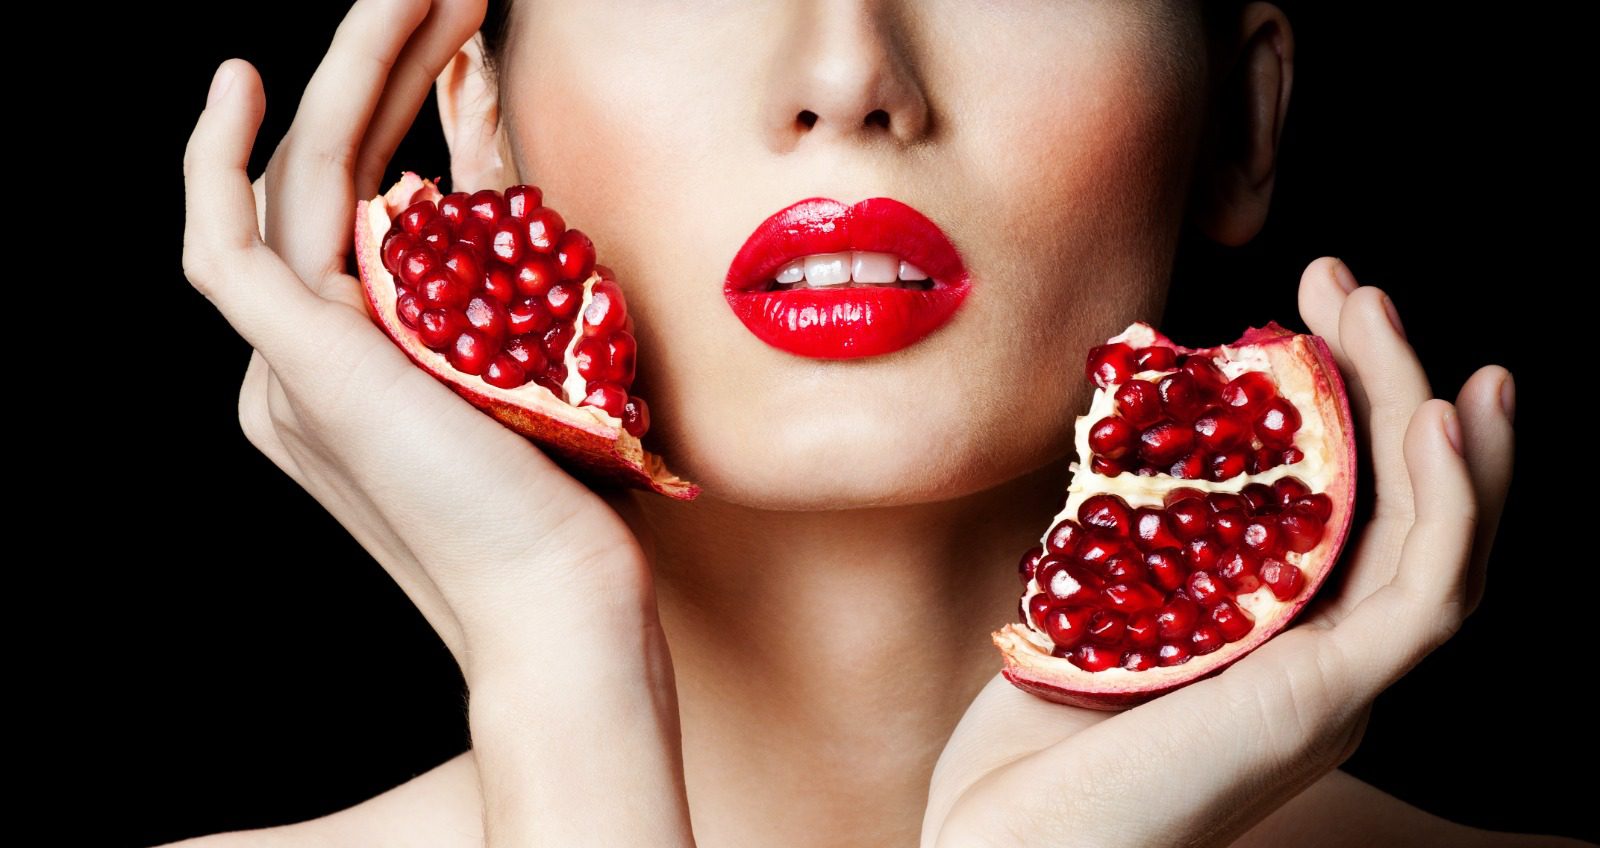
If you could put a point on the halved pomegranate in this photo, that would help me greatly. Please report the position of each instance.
(1218, 494)
(491, 293)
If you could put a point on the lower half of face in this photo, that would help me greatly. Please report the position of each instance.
(1054, 146)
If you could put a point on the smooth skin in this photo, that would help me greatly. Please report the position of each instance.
(558, 602)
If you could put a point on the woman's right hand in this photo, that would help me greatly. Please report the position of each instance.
(534, 582)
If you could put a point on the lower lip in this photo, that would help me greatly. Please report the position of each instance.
(847, 322)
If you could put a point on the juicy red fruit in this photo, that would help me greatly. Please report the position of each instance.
(494, 281)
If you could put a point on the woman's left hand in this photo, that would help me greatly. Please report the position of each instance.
(1205, 763)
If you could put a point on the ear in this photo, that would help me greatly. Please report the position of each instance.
(469, 112)
(1240, 154)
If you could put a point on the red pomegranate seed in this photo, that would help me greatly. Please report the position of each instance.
(1142, 631)
(1111, 363)
(606, 310)
(1218, 431)
(435, 234)
(505, 372)
(1191, 518)
(1106, 467)
(1261, 535)
(1138, 660)
(1165, 443)
(1261, 459)
(555, 347)
(1224, 501)
(438, 328)
(1064, 537)
(528, 315)
(544, 229)
(1248, 393)
(499, 282)
(1201, 554)
(1171, 655)
(1287, 489)
(1205, 639)
(593, 359)
(1167, 568)
(1203, 588)
(522, 199)
(607, 396)
(1133, 597)
(528, 351)
(1067, 626)
(1106, 513)
(624, 357)
(575, 255)
(1284, 579)
(1317, 505)
(1277, 424)
(416, 215)
(1112, 438)
(453, 207)
(1106, 627)
(1139, 403)
(395, 244)
(1177, 618)
(1228, 526)
(408, 307)
(1301, 533)
(636, 416)
(1206, 375)
(1067, 582)
(1291, 456)
(1240, 570)
(1233, 621)
(1150, 529)
(488, 317)
(1098, 548)
(487, 206)
(1226, 466)
(474, 234)
(417, 263)
(1125, 569)
(1038, 608)
(471, 352)
(562, 300)
(1156, 358)
(1261, 497)
(1030, 562)
(1091, 658)
(535, 275)
(1181, 397)
(506, 242)
(1191, 467)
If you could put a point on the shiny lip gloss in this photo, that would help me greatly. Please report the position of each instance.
(852, 320)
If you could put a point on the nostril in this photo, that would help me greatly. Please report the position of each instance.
(878, 117)
(807, 118)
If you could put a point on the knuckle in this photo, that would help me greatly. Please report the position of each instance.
(198, 266)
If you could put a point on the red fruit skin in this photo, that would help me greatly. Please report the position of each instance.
(583, 444)
(1042, 675)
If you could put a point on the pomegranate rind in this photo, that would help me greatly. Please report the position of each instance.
(1304, 367)
(586, 439)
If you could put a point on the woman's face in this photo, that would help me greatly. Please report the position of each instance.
(1052, 141)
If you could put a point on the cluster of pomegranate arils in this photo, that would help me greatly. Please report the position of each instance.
(1192, 423)
(1142, 587)
(494, 281)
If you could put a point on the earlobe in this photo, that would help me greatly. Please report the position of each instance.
(470, 117)
(1234, 184)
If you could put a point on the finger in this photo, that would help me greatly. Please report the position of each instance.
(1392, 630)
(1392, 385)
(425, 56)
(256, 418)
(310, 197)
(1485, 402)
(1324, 285)
(223, 255)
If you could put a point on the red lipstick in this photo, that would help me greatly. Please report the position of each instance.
(851, 320)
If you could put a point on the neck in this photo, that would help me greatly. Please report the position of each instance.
(836, 650)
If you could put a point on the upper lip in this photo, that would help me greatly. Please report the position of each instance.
(823, 225)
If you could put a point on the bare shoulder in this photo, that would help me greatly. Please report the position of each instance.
(1343, 811)
(437, 809)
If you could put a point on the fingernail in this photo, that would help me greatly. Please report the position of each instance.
(1343, 276)
(1394, 316)
(1452, 429)
(220, 83)
(1508, 397)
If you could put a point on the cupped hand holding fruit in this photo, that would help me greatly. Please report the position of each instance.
(1205, 762)
(534, 582)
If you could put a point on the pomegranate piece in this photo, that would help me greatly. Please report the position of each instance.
(1151, 582)
(494, 295)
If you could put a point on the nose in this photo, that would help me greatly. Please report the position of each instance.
(844, 70)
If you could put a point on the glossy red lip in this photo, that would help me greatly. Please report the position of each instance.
(837, 323)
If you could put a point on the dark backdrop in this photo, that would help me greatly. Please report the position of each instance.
(254, 666)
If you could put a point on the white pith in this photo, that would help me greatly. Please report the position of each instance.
(1030, 646)
(854, 267)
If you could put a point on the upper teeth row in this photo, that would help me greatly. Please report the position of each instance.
(837, 269)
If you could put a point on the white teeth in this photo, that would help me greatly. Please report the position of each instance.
(828, 269)
(911, 272)
(794, 272)
(866, 267)
(862, 267)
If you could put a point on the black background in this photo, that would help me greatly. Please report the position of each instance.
(253, 666)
